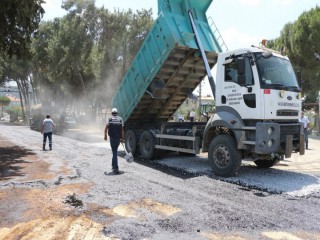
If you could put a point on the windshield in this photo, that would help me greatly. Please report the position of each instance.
(276, 73)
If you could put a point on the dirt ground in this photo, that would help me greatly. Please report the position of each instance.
(38, 212)
(64, 194)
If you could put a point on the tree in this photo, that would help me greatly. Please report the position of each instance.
(301, 40)
(82, 56)
(41, 61)
(121, 35)
(19, 20)
(4, 101)
(70, 50)
(20, 71)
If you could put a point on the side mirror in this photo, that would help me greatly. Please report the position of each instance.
(228, 61)
(267, 54)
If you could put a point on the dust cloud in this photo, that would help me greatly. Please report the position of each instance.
(85, 108)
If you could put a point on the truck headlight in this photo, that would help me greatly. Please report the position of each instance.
(270, 142)
(282, 93)
(270, 130)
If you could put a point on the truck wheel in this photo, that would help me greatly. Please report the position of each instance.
(267, 163)
(224, 156)
(131, 142)
(147, 145)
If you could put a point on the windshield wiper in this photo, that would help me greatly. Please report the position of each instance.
(278, 86)
(294, 88)
(284, 87)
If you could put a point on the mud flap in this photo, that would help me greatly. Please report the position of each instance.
(288, 149)
(301, 144)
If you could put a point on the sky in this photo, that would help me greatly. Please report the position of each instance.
(242, 23)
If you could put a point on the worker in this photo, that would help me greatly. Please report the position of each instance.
(306, 123)
(46, 130)
(192, 115)
(114, 128)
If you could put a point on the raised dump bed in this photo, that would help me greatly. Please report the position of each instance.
(168, 66)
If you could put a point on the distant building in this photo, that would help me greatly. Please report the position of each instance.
(10, 90)
(207, 100)
(13, 101)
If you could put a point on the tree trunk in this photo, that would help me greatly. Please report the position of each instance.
(21, 99)
(85, 99)
(23, 87)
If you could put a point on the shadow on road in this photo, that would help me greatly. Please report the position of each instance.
(10, 158)
(159, 166)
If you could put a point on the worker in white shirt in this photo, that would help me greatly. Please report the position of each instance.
(306, 122)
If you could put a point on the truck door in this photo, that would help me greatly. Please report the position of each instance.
(240, 91)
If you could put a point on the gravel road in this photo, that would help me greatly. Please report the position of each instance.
(69, 193)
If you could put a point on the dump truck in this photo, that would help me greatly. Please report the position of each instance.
(257, 95)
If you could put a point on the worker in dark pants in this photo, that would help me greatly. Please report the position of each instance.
(46, 130)
(306, 124)
(114, 128)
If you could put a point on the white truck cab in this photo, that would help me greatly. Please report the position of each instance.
(267, 89)
(258, 103)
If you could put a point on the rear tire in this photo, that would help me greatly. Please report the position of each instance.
(224, 156)
(147, 145)
(131, 142)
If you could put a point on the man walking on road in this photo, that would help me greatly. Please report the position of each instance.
(114, 128)
(192, 115)
(306, 122)
(46, 130)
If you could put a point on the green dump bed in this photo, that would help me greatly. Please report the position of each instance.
(168, 67)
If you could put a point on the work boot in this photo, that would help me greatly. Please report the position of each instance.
(50, 146)
(43, 147)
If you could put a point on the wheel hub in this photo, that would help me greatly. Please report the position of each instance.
(221, 156)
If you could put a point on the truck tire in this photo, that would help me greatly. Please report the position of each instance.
(262, 163)
(224, 156)
(147, 145)
(131, 142)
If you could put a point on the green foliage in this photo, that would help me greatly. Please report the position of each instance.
(19, 20)
(310, 100)
(87, 51)
(20, 70)
(2, 64)
(14, 112)
(79, 58)
(4, 101)
(302, 41)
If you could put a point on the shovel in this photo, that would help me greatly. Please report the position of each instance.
(128, 157)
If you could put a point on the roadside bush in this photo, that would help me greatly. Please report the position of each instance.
(15, 112)
(4, 101)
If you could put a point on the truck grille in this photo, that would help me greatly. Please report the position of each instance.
(287, 113)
